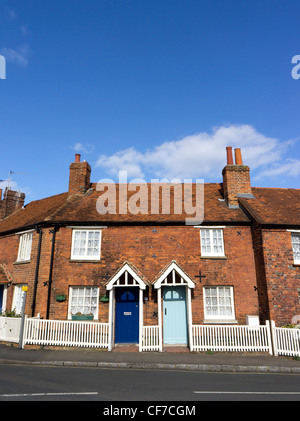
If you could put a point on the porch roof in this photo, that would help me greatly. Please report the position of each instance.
(5, 277)
(163, 274)
(133, 271)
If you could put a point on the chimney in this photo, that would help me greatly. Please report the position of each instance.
(11, 202)
(80, 174)
(236, 178)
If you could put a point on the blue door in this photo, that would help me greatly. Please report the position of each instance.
(127, 315)
(174, 314)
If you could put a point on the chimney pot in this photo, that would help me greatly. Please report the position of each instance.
(229, 155)
(238, 156)
(77, 157)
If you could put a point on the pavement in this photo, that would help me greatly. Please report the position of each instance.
(129, 358)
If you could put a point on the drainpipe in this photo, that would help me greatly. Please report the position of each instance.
(36, 271)
(53, 232)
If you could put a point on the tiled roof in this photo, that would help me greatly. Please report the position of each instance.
(270, 206)
(83, 208)
(275, 206)
(33, 213)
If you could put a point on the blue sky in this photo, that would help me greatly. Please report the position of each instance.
(158, 88)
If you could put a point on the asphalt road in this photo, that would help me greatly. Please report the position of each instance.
(36, 384)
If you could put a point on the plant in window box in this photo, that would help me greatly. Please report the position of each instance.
(11, 313)
(80, 316)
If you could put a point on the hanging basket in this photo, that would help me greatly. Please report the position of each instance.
(60, 297)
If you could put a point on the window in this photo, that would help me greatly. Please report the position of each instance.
(86, 244)
(212, 242)
(296, 247)
(25, 247)
(218, 303)
(18, 299)
(84, 300)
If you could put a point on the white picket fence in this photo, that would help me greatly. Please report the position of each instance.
(231, 338)
(66, 333)
(240, 338)
(286, 341)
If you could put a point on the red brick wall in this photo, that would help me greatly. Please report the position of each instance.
(24, 272)
(282, 276)
(262, 291)
(136, 244)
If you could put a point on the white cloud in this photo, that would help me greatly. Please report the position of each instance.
(129, 160)
(9, 183)
(24, 30)
(11, 15)
(201, 155)
(290, 168)
(19, 55)
(13, 185)
(85, 148)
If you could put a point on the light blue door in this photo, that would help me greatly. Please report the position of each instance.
(174, 315)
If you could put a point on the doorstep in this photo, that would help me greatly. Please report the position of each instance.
(135, 348)
(176, 348)
(126, 348)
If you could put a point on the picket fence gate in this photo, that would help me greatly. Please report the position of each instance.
(286, 341)
(10, 329)
(224, 338)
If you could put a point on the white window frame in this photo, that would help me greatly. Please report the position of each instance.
(17, 303)
(211, 253)
(25, 245)
(85, 256)
(218, 316)
(80, 307)
(295, 234)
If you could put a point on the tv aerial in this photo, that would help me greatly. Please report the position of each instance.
(10, 179)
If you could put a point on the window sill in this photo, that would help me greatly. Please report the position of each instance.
(219, 321)
(21, 262)
(214, 257)
(84, 260)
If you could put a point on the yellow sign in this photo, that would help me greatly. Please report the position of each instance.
(24, 288)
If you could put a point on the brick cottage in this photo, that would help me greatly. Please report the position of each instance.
(142, 268)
